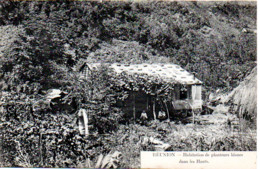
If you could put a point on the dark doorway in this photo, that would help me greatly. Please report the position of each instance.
(183, 95)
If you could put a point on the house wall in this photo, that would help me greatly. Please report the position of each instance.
(179, 103)
(177, 91)
(144, 102)
(196, 97)
(193, 100)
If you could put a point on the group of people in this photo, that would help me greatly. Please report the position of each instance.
(161, 115)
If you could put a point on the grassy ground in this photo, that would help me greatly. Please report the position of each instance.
(218, 136)
(73, 150)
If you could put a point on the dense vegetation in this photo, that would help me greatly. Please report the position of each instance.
(42, 44)
(205, 38)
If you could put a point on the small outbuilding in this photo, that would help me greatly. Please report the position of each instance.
(154, 88)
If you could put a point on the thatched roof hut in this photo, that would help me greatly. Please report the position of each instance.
(151, 88)
(244, 97)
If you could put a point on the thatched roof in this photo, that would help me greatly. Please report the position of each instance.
(168, 72)
(244, 97)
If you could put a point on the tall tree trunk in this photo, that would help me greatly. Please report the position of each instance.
(154, 114)
(134, 110)
(167, 110)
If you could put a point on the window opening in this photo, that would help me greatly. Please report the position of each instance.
(183, 93)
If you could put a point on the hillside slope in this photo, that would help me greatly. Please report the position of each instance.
(213, 39)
